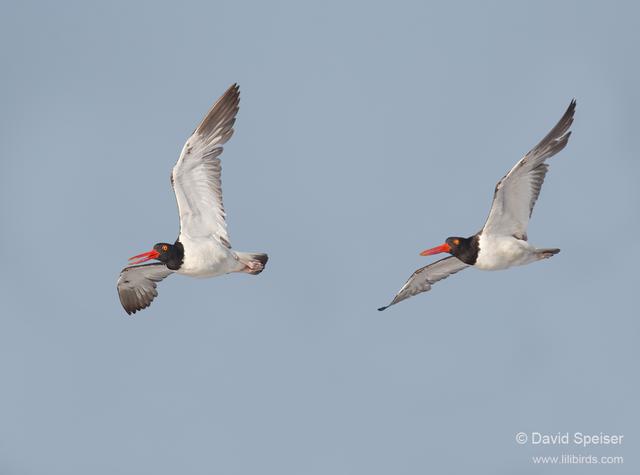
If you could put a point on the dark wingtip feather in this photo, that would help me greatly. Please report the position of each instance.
(383, 308)
(223, 111)
(557, 138)
(567, 117)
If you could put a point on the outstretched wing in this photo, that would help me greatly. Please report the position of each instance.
(517, 192)
(196, 175)
(137, 285)
(422, 279)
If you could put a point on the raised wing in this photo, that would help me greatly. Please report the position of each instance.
(422, 279)
(517, 192)
(137, 285)
(196, 175)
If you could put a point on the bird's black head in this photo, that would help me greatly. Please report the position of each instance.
(455, 243)
(171, 255)
(163, 250)
(465, 249)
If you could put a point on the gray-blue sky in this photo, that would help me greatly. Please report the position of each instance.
(367, 132)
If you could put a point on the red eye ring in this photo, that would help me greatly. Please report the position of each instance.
(165, 247)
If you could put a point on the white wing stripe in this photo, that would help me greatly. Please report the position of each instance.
(517, 192)
(196, 175)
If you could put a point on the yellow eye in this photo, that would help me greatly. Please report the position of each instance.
(165, 247)
(456, 241)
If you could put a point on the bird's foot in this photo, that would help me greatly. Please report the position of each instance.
(547, 253)
(253, 267)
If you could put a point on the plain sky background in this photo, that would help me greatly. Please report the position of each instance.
(367, 132)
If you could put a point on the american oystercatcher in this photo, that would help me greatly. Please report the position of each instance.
(502, 242)
(202, 248)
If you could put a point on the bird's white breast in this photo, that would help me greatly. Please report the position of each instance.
(206, 257)
(501, 252)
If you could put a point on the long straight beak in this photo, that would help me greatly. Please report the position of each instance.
(145, 256)
(436, 250)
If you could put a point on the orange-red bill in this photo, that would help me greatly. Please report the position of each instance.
(436, 250)
(145, 256)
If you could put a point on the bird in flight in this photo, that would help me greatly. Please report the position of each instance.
(203, 248)
(502, 242)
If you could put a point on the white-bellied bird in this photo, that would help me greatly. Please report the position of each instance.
(203, 248)
(502, 242)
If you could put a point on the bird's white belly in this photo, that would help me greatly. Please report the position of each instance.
(501, 252)
(207, 258)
